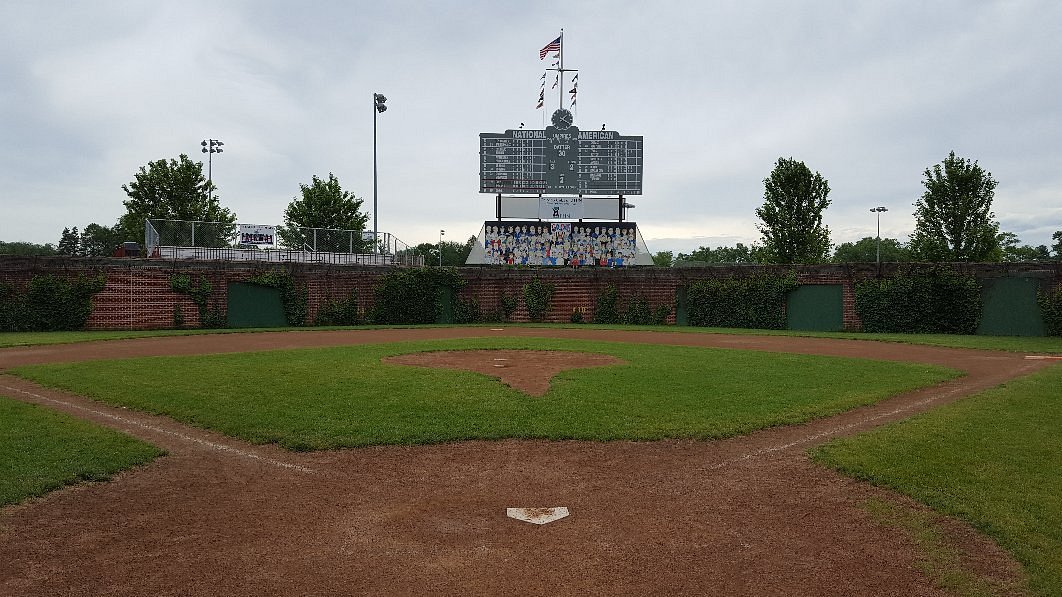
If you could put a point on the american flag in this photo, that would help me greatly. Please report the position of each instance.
(553, 46)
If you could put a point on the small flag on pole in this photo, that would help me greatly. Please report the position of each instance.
(556, 82)
(553, 46)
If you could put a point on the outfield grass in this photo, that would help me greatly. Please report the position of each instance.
(344, 396)
(1031, 344)
(994, 460)
(42, 450)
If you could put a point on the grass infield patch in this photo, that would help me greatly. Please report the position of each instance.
(42, 450)
(1040, 345)
(994, 460)
(343, 397)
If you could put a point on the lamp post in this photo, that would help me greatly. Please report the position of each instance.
(210, 147)
(441, 233)
(878, 211)
(378, 106)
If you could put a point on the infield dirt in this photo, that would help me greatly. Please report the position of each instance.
(745, 516)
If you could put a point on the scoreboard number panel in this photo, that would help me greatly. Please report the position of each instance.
(561, 160)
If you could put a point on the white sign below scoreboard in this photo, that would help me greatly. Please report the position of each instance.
(560, 208)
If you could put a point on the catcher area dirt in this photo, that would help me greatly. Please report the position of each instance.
(746, 516)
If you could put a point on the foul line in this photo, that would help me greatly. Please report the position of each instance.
(202, 442)
(828, 432)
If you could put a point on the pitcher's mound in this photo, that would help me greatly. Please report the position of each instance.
(529, 371)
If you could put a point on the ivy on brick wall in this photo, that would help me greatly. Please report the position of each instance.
(1051, 310)
(920, 300)
(339, 312)
(605, 310)
(49, 303)
(411, 296)
(197, 289)
(295, 298)
(538, 297)
(748, 302)
(636, 309)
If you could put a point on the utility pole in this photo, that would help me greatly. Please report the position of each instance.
(379, 106)
(210, 147)
(878, 211)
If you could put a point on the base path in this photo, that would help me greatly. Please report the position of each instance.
(745, 516)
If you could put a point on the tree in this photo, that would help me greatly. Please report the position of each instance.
(100, 241)
(26, 249)
(865, 250)
(176, 190)
(793, 201)
(663, 258)
(736, 254)
(954, 219)
(1012, 251)
(1057, 247)
(454, 254)
(70, 242)
(325, 205)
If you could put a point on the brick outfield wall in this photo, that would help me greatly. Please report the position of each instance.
(137, 294)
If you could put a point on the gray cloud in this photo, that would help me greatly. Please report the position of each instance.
(868, 94)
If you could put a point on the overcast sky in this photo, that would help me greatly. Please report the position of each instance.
(870, 94)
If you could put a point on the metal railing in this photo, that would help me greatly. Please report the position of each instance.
(219, 241)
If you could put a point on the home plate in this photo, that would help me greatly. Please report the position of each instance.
(537, 515)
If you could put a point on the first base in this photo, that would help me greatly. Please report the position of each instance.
(537, 515)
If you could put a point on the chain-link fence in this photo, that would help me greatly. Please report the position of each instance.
(183, 239)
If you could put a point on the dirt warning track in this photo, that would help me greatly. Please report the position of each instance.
(745, 516)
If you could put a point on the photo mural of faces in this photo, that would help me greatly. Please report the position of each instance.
(599, 244)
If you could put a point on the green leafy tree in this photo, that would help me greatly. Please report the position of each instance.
(736, 254)
(1013, 251)
(1057, 247)
(176, 190)
(954, 219)
(865, 250)
(323, 204)
(100, 241)
(70, 242)
(454, 254)
(793, 201)
(26, 249)
(663, 258)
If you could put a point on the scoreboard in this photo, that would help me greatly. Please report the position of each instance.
(560, 161)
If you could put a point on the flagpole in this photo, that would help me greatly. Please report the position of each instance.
(560, 96)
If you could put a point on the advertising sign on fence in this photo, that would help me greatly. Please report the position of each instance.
(253, 234)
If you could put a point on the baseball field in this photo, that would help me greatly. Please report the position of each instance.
(382, 461)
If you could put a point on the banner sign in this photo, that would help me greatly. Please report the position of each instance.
(253, 234)
(560, 208)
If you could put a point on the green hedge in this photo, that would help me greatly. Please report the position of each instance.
(411, 296)
(750, 302)
(936, 300)
(50, 303)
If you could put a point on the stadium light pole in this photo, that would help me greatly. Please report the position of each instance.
(378, 106)
(878, 211)
(441, 233)
(210, 147)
